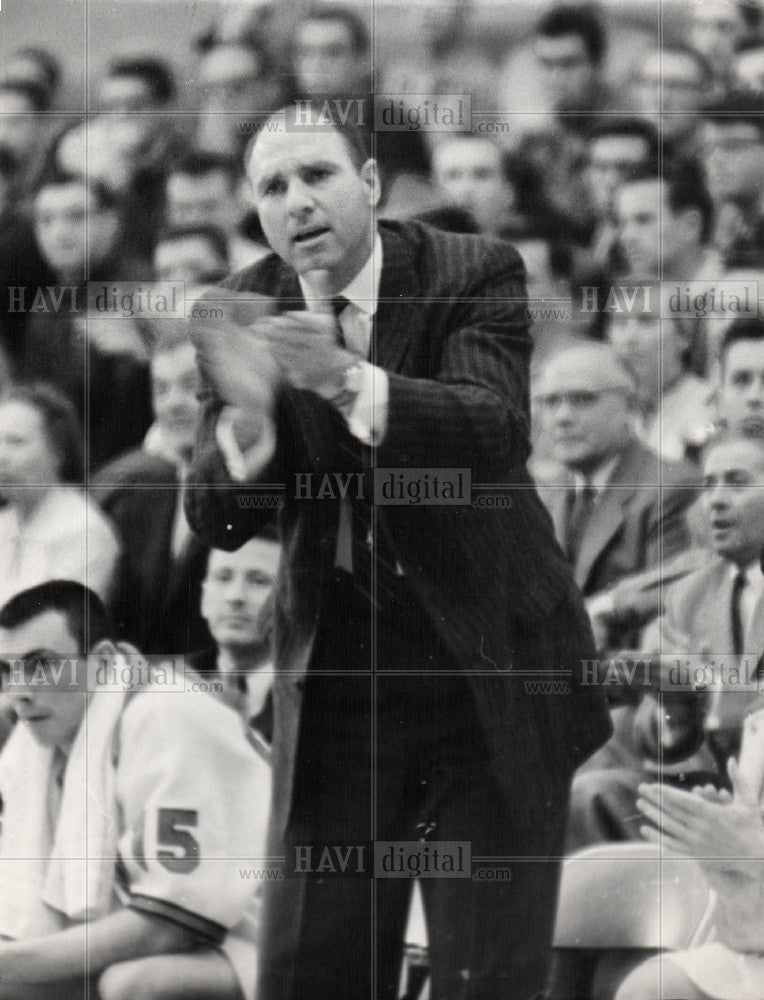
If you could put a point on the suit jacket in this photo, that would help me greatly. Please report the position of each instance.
(637, 521)
(452, 332)
(156, 605)
(698, 623)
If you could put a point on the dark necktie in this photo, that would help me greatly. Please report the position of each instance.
(736, 613)
(580, 504)
(339, 302)
(375, 570)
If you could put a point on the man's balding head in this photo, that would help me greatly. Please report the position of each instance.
(586, 396)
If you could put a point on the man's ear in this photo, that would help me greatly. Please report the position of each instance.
(369, 173)
(104, 648)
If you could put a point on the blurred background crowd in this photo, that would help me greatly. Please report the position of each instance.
(619, 147)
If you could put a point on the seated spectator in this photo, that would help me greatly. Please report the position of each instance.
(124, 819)
(616, 149)
(724, 833)
(239, 86)
(48, 529)
(665, 218)
(95, 359)
(624, 509)
(669, 86)
(24, 130)
(237, 604)
(741, 367)
(136, 95)
(570, 45)
(674, 405)
(749, 66)
(156, 604)
(195, 254)
(332, 61)
(472, 172)
(732, 149)
(206, 189)
(34, 65)
(740, 410)
(714, 613)
(716, 28)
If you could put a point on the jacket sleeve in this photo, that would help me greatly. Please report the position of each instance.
(475, 407)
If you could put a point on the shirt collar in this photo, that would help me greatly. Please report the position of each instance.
(599, 479)
(753, 575)
(362, 291)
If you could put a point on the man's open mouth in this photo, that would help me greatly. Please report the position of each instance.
(310, 234)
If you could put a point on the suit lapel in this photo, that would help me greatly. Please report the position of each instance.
(606, 519)
(400, 307)
(754, 640)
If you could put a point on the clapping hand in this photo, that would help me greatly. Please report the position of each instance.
(236, 359)
(699, 824)
(304, 346)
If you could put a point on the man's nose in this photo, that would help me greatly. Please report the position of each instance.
(299, 199)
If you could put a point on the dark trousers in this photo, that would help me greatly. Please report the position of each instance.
(391, 749)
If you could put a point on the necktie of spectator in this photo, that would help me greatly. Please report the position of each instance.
(339, 304)
(56, 787)
(580, 504)
(736, 613)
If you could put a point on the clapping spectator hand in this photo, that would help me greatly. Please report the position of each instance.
(701, 824)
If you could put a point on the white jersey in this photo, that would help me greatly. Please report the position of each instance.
(193, 797)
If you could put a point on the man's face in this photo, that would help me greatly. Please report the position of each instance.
(69, 227)
(652, 235)
(741, 403)
(715, 29)
(749, 68)
(649, 347)
(174, 386)
(586, 416)
(733, 481)
(235, 590)
(471, 173)
(192, 259)
(26, 457)
(733, 154)
(669, 82)
(566, 72)
(316, 208)
(19, 125)
(200, 201)
(612, 158)
(52, 712)
(326, 62)
(236, 90)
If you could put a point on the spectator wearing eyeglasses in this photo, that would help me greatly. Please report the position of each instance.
(622, 507)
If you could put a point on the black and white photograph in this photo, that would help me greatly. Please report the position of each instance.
(382, 500)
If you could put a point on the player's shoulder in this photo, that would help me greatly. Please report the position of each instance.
(172, 706)
(134, 467)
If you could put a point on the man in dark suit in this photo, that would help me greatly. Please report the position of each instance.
(156, 601)
(624, 509)
(401, 632)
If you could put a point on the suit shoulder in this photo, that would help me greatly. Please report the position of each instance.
(135, 466)
(457, 257)
(685, 592)
(258, 277)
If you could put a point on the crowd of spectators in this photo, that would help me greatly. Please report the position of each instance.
(637, 207)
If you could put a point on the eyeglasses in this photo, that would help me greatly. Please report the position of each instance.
(577, 399)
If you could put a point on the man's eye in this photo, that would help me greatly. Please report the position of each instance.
(316, 174)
